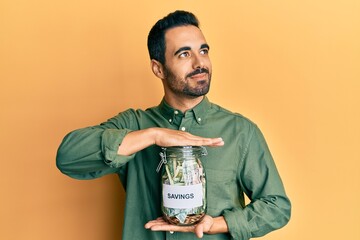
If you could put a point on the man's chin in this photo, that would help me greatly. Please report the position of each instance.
(197, 92)
(202, 82)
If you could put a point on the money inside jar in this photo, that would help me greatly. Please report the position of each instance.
(184, 185)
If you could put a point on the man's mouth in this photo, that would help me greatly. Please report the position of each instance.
(199, 76)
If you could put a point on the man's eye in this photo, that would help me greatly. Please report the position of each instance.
(184, 54)
(204, 51)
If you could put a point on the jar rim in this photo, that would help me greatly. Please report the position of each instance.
(186, 149)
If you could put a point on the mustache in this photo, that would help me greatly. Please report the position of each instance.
(197, 71)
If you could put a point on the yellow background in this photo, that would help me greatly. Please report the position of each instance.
(293, 67)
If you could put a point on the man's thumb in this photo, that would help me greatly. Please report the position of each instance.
(199, 230)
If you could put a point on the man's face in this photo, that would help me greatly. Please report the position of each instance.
(187, 69)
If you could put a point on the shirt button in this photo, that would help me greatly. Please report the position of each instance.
(183, 128)
(170, 120)
(176, 112)
(199, 119)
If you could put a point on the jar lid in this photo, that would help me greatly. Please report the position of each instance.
(183, 150)
(186, 150)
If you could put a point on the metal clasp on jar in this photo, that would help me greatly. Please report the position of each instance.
(162, 161)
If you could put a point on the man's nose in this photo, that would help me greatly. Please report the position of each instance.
(198, 61)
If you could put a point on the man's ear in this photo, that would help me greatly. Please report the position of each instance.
(157, 68)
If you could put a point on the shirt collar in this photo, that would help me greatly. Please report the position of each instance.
(199, 111)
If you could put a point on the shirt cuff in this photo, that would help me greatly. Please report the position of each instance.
(237, 224)
(110, 142)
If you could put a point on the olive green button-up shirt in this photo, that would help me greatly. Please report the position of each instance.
(243, 165)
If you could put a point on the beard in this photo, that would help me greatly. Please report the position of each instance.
(184, 86)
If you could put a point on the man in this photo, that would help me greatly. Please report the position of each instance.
(238, 159)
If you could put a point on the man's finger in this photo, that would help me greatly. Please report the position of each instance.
(157, 221)
(161, 225)
(199, 230)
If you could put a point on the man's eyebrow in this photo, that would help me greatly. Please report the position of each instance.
(205, 45)
(182, 49)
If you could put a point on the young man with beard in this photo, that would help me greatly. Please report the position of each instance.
(238, 161)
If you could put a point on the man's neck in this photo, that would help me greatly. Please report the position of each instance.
(183, 103)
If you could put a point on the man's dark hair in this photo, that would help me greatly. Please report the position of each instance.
(156, 38)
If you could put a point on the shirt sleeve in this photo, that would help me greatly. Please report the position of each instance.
(269, 208)
(91, 152)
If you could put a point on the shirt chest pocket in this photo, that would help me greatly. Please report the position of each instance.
(221, 190)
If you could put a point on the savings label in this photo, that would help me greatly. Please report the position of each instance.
(190, 196)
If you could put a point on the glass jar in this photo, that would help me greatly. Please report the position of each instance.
(183, 185)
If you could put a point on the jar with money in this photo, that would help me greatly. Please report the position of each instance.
(183, 184)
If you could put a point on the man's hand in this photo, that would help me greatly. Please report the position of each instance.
(163, 137)
(167, 137)
(199, 229)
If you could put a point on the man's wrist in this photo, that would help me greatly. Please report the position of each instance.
(152, 133)
(219, 226)
(136, 141)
